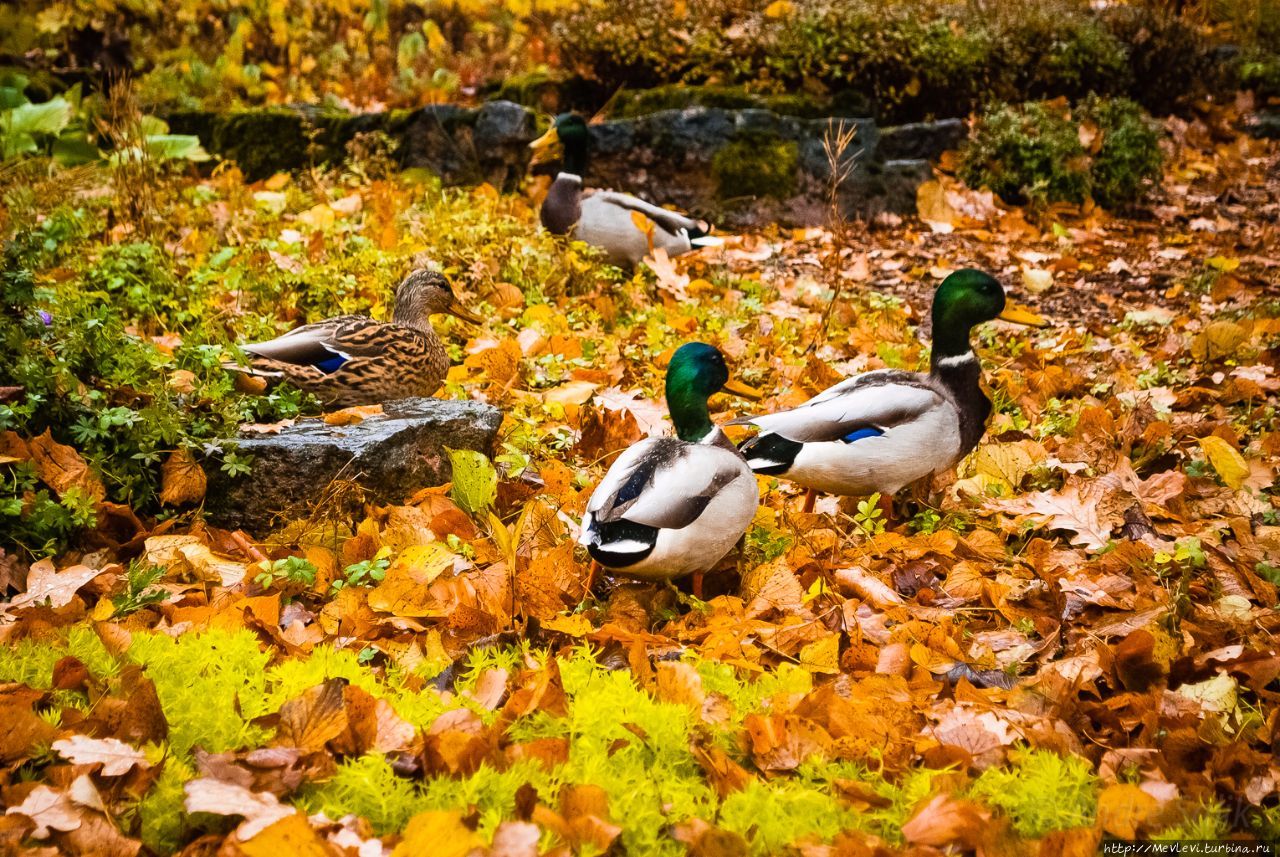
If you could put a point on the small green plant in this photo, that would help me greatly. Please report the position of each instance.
(925, 521)
(869, 517)
(294, 570)
(364, 573)
(139, 590)
(1104, 148)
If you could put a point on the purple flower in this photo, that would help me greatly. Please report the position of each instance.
(46, 318)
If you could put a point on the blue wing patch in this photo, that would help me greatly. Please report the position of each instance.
(859, 434)
(329, 365)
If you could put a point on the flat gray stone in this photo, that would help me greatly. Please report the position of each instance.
(387, 458)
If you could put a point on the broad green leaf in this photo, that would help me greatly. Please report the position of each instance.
(153, 125)
(475, 482)
(176, 147)
(72, 149)
(47, 118)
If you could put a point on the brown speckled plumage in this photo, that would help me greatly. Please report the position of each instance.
(384, 361)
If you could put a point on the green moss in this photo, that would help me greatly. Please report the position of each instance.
(31, 661)
(631, 103)
(1209, 822)
(367, 787)
(162, 819)
(772, 816)
(211, 685)
(756, 166)
(1041, 792)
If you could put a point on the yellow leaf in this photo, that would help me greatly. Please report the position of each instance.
(438, 833)
(1123, 807)
(573, 624)
(779, 9)
(352, 415)
(1226, 264)
(1218, 340)
(933, 208)
(822, 656)
(1226, 461)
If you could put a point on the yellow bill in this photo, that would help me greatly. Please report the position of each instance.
(548, 139)
(1021, 315)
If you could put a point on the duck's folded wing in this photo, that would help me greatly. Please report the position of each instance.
(663, 483)
(319, 344)
(669, 221)
(850, 407)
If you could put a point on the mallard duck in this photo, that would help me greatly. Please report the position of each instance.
(675, 506)
(607, 219)
(882, 430)
(354, 360)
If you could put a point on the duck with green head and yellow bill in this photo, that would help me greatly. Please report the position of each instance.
(624, 226)
(672, 506)
(880, 431)
(354, 360)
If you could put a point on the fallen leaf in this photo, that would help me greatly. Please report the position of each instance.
(182, 480)
(116, 757)
(259, 810)
(1226, 461)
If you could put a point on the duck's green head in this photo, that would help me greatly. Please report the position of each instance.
(571, 132)
(696, 373)
(966, 298)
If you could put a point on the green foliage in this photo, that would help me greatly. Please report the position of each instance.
(908, 60)
(1034, 152)
(869, 517)
(1041, 792)
(294, 570)
(364, 573)
(139, 590)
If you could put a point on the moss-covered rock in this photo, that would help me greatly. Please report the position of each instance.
(756, 166)
(631, 103)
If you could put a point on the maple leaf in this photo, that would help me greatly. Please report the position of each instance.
(1075, 509)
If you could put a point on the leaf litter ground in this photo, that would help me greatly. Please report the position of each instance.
(1072, 638)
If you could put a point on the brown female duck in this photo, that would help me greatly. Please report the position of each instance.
(355, 360)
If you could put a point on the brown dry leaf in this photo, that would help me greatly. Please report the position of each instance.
(933, 208)
(116, 757)
(1076, 509)
(311, 720)
(438, 833)
(258, 809)
(61, 468)
(47, 585)
(946, 820)
(49, 810)
(182, 479)
(515, 839)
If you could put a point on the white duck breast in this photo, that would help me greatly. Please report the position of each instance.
(606, 221)
(875, 432)
(668, 508)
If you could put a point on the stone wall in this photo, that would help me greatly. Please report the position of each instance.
(737, 167)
